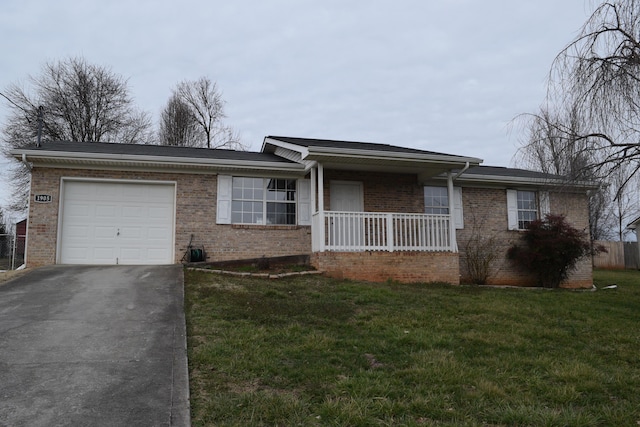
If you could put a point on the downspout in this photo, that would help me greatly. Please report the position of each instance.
(26, 237)
(40, 119)
(452, 224)
(463, 170)
(24, 160)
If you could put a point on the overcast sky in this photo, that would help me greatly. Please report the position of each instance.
(446, 76)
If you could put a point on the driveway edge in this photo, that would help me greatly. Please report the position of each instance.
(180, 406)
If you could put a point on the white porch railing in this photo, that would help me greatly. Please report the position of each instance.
(373, 231)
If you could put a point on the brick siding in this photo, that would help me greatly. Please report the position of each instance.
(196, 196)
(408, 267)
(485, 213)
(382, 192)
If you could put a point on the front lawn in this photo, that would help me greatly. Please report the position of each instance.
(312, 351)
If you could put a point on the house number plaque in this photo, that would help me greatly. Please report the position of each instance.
(43, 198)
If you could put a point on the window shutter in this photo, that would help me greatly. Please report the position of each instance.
(304, 202)
(545, 205)
(512, 209)
(223, 209)
(458, 214)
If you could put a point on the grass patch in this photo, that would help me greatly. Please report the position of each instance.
(315, 351)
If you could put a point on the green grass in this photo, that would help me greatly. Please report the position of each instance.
(312, 351)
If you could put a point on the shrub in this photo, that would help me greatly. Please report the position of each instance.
(481, 251)
(550, 250)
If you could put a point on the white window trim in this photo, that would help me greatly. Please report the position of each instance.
(544, 207)
(225, 197)
(458, 210)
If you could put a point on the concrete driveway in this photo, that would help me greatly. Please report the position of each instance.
(94, 346)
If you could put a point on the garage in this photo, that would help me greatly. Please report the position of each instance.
(116, 222)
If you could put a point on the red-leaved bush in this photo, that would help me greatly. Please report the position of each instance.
(550, 250)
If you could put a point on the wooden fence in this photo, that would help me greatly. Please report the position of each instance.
(619, 255)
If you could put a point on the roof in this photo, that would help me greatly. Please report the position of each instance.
(365, 156)
(512, 172)
(135, 156)
(288, 155)
(154, 150)
(353, 145)
(498, 175)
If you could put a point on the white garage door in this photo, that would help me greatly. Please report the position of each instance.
(117, 223)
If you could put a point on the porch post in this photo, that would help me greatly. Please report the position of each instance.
(314, 186)
(315, 243)
(452, 224)
(321, 236)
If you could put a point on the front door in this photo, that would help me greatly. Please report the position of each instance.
(346, 230)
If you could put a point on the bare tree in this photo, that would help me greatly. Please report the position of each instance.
(596, 78)
(80, 101)
(206, 105)
(599, 71)
(178, 126)
(551, 146)
(625, 205)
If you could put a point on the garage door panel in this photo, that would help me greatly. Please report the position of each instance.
(156, 195)
(78, 232)
(157, 233)
(159, 212)
(79, 210)
(131, 233)
(130, 255)
(80, 254)
(157, 253)
(111, 222)
(133, 211)
(105, 212)
(107, 192)
(104, 255)
(101, 232)
(79, 191)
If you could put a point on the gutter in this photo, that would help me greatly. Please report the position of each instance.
(94, 158)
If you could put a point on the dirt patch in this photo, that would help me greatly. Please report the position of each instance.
(277, 267)
(5, 276)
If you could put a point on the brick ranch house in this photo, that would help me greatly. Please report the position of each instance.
(361, 210)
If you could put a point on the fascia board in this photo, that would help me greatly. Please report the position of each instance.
(381, 155)
(514, 180)
(293, 147)
(39, 155)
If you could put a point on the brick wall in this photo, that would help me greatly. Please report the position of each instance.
(485, 214)
(408, 267)
(195, 214)
(382, 192)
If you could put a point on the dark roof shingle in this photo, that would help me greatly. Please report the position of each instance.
(352, 145)
(157, 150)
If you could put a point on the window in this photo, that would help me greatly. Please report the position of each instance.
(436, 200)
(263, 201)
(527, 208)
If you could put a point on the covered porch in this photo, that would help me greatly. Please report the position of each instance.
(358, 230)
(366, 207)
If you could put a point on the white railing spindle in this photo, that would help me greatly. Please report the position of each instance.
(374, 231)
